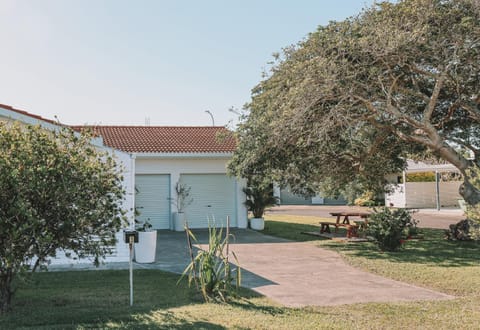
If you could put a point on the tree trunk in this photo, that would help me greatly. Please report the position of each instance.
(6, 291)
(470, 189)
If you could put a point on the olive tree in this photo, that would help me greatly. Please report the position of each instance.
(58, 192)
(357, 97)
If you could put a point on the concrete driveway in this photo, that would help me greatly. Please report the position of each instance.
(427, 218)
(294, 274)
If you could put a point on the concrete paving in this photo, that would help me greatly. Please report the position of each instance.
(428, 218)
(290, 273)
(300, 274)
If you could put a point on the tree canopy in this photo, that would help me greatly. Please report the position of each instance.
(356, 98)
(58, 192)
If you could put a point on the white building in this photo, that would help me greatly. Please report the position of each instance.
(153, 160)
(423, 194)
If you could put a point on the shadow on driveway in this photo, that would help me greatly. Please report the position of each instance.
(295, 274)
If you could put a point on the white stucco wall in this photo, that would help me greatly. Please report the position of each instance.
(423, 194)
(120, 250)
(191, 164)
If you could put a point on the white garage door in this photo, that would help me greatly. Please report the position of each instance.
(213, 198)
(152, 199)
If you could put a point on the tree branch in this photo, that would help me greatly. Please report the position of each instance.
(427, 114)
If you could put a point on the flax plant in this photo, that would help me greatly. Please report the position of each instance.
(210, 270)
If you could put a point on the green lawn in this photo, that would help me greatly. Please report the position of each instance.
(99, 299)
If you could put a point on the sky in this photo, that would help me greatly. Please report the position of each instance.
(119, 62)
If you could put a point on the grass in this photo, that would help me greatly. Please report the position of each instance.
(99, 299)
(289, 227)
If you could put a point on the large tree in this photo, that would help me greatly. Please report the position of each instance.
(353, 100)
(57, 192)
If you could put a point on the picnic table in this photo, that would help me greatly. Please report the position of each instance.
(343, 220)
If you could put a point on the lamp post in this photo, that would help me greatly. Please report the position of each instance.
(213, 120)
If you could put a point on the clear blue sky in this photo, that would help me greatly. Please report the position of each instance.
(116, 62)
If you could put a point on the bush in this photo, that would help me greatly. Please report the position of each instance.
(366, 199)
(421, 177)
(211, 270)
(387, 227)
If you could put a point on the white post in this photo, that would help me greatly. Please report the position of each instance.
(131, 242)
(437, 191)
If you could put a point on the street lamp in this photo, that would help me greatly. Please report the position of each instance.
(213, 120)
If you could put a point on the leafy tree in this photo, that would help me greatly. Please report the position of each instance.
(57, 193)
(353, 100)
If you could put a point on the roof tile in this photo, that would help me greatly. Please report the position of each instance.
(166, 139)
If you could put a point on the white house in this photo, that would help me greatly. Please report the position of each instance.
(423, 194)
(120, 252)
(195, 156)
(153, 159)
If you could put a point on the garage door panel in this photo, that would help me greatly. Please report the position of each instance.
(213, 200)
(152, 199)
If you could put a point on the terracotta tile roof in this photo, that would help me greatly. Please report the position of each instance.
(166, 139)
(10, 108)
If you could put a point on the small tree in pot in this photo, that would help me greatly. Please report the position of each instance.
(181, 201)
(259, 197)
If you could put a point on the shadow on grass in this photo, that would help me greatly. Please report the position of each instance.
(433, 249)
(94, 297)
(292, 231)
(161, 320)
(249, 306)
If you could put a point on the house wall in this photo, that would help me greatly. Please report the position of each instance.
(120, 250)
(192, 165)
(396, 197)
(422, 194)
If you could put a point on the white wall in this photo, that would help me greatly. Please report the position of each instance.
(397, 197)
(423, 194)
(192, 165)
(120, 251)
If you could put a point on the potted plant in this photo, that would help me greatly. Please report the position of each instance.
(147, 238)
(147, 242)
(258, 199)
(181, 201)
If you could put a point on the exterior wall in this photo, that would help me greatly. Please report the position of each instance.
(397, 197)
(192, 165)
(423, 194)
(289, 198)
(120, 251)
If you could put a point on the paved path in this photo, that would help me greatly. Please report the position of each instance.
(290, 273)
(301, 274)
(428, 218)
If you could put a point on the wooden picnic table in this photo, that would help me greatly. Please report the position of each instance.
(347, 214)
(343, 220)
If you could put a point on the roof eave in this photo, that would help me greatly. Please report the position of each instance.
(152, 155)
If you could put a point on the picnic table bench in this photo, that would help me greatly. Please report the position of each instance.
(352, 229)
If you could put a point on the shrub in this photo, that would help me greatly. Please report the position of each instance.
(387, 227)
(210, 270)
(258, 198)
(366, 199)
(421, 177)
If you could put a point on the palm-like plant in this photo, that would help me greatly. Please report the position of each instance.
(259, 198)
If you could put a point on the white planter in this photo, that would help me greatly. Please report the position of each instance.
(146, 247)
(179, 221)
(257, 223)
